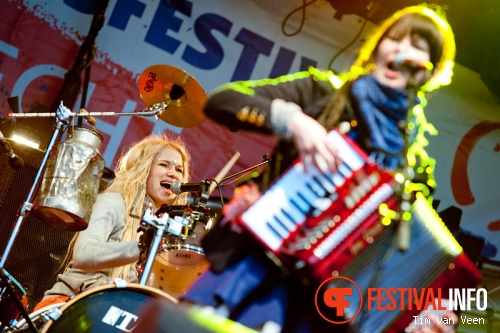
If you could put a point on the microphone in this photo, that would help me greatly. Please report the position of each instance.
(177, 187)
(15, 161)
(403, 62)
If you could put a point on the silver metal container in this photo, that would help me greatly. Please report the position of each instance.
(71, 180)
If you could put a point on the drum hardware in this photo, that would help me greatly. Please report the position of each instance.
(163, 88)
(170, 256)
(150, 244)
(154, 110)
(183, 93)
(39, 318)
(61, 122)
(63, 116)
(168, 228)
(162, 233)
(171, 253)
(11, 291)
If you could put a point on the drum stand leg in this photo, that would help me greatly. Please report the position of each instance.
(151, 256)
(25, 209)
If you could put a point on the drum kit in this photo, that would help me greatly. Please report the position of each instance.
(64, 191)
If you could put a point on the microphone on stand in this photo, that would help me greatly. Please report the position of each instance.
(403, 62)
(177, 187)
(16, 162)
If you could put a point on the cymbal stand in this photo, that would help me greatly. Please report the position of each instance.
(154, 110)
(63, 115)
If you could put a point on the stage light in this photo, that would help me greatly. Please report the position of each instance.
(25, 140)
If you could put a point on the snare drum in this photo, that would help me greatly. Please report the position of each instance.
(9, 311)
(181, 260)
(105, 309)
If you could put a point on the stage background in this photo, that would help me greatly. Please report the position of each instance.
(219, 41)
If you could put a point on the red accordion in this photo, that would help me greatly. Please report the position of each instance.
(326, 224)
(320, 219)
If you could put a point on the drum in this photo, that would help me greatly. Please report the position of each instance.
(71, 181)
(9, 311)
(180, 259)
(105, 309)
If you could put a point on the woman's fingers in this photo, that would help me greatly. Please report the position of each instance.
(311, 139)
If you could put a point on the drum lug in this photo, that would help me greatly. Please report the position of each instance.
(53, 314)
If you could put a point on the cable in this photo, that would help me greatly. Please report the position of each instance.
(299, 29)
(342, 50)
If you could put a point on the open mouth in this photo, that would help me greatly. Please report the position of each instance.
(165, 185)
(392, 72)
(392, 66)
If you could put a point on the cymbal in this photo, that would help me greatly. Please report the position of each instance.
(168, 84)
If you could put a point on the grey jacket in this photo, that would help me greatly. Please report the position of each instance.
(97, 249)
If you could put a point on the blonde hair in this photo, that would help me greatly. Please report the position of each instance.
(131, 174)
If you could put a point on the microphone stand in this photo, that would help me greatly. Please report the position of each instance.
(407, 172)
(161, 224)
(207, 182)
(265, 159)
(202, 199)
(63, 116)
(403, 215)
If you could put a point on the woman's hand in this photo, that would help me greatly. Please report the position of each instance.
(311, 140)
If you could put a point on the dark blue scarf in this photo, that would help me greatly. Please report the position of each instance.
(381, 110)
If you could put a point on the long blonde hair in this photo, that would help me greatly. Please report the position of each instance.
(131, 174)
